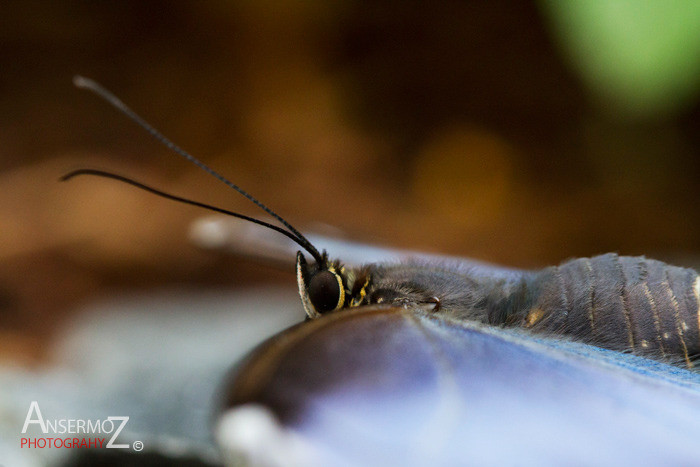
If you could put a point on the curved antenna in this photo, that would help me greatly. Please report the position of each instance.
(90, 85)
(100, 173)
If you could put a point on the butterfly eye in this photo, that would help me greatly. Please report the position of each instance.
(326, 291)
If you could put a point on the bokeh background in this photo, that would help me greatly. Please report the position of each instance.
(521, 133)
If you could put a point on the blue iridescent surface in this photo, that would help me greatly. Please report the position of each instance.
(409, 388)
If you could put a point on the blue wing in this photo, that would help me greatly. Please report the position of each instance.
(378, 387)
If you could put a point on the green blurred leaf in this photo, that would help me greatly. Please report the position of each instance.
(641, 58)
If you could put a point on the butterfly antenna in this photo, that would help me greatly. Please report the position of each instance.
(90, 85)
(101, 173)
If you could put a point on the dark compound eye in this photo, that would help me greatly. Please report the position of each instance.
(324, 291)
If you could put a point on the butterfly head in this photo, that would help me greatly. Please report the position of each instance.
(327, 286)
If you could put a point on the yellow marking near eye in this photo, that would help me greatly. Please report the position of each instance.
(534, 316)
(645, 344)
(363, 293)
(341, 297)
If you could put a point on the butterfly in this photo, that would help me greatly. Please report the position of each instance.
(454, 361)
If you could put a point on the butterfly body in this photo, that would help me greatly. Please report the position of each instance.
(616, 302)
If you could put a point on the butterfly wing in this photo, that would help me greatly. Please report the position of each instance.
(390, 386)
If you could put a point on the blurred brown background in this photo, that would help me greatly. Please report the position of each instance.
(493, 130)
